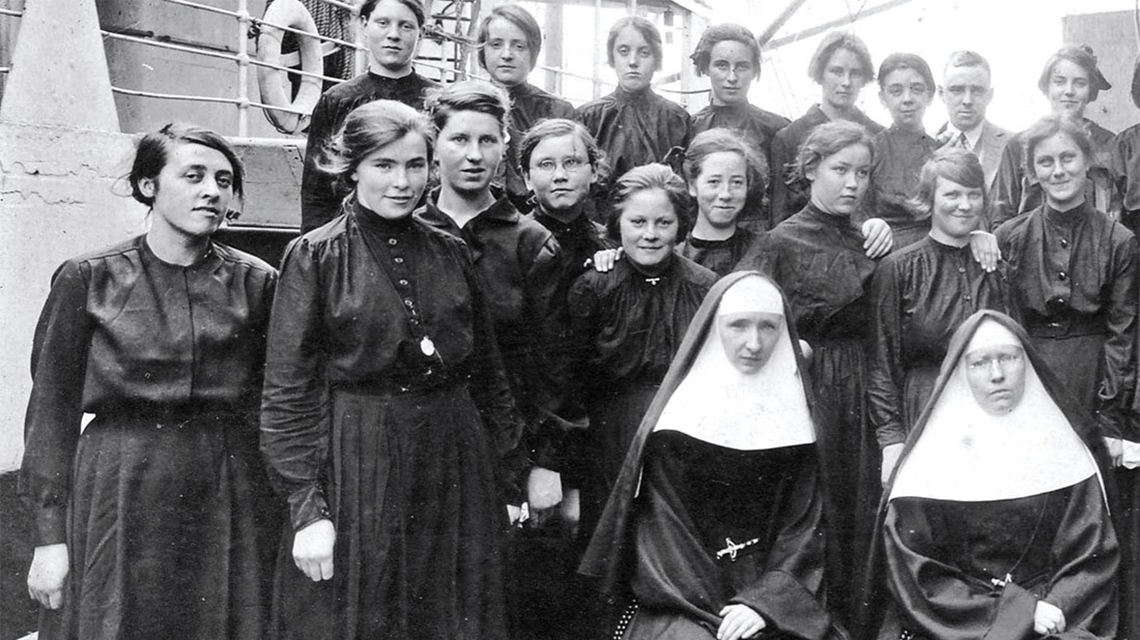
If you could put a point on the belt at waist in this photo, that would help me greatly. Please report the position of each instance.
(402, 386)
(1066, 326)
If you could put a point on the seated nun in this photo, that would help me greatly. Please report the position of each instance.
(996, 522)
(715, 528)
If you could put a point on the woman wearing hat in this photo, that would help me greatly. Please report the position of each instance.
(1070, 80)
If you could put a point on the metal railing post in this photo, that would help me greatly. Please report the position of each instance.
(244, 22)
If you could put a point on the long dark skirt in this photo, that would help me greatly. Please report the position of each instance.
(614, 420)
(1078, 361)
(851, 461)
(917, 388)
(417, 522)
(172, 531)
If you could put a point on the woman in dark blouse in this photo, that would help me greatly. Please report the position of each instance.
(730, 56)
(921, 294)
(996, 522)
(156, 520)
(627, 323)
(817, 257)
(906, 87)
(508, 47)
(391, 30)
(1070, 80)
(722, 169)
(634, 125)
(385, 406)
(717, 526)
(841, 66)
(1073, 274)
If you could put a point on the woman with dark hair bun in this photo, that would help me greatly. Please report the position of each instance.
(634, 125)
(628, 322)
(156, 520)
(385, 408)
(1070, 81)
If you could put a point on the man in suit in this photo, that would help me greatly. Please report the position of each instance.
(967, 92)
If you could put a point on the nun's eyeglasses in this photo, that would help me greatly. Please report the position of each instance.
(982, 363)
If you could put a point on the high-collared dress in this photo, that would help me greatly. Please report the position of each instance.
(628, 325)
(920, 296)
(320, 199)
(1074, 279)
(162, 498)
(529, 106)
(635, 129)
(758, 128)
(519, 266)
(898, 159)
(1016, 192)
(392, 438)
(789, 194)
(818, 260)
(720, 256)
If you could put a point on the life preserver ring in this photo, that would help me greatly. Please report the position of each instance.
(273, 84)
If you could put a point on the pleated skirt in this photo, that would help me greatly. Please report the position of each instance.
(172, 530)
(417, 522)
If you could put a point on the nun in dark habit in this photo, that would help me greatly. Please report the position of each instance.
(716, 528)
(996, 522)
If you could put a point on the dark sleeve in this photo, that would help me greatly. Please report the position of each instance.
(318, 200)
(295, 418)
(251, 398)
(1086, 556)
(491, 391)
(1119, 370)
(549, 357)
(1005, 196)
(55, 409)
(785, 593)
(778, 171)
(886, 372)
(939, 598)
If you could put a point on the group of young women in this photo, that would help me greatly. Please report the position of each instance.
(730, 430)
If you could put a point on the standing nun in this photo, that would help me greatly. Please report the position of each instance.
(996, 522)
(716, 527)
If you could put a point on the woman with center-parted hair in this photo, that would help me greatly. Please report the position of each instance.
(634, 125)
(717, 527)
(155, 519)
(385, 409)
(996, 522)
